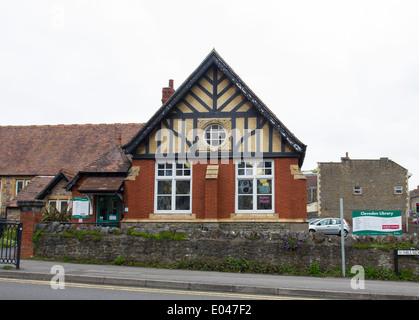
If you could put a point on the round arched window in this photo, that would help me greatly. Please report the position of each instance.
(215, 135)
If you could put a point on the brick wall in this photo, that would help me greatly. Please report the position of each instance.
(139, 191)
(30, 215)
(226, 190)
(290, 192)
(198, 194)
(215, 198)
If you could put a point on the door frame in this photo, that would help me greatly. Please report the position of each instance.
(108, 220)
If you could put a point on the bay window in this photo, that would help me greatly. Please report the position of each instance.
(254, 187)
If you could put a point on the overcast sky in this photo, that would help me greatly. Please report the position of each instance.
(343, 76)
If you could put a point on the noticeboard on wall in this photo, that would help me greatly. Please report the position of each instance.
(80, 208)
(379, 222)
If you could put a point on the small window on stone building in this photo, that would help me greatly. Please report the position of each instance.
(357, 190)
(20, 184)
(398, 190)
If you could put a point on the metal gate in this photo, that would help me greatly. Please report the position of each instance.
(10, 241)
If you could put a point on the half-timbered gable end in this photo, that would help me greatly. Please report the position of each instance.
(214, 152)
(214, 95)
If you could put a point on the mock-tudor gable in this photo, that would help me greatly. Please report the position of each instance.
(214, 153)
(214, 95)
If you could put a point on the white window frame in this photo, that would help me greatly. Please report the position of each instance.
(398, 190)
(357, 190)
(252, 174)
(58, 203)
(215, 134)
(24, 184)
(174, 178)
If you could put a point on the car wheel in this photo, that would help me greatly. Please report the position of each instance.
(312, 230)
(345, 233)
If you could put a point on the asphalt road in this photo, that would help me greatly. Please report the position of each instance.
(187, 282)
(24, 289)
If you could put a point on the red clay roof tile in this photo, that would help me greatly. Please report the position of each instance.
(44, 150)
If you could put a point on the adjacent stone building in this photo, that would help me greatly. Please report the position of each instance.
(41, 152)
(364, 185)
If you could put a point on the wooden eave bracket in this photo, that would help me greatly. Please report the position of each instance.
(296, 172)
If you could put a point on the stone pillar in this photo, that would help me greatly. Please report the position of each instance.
(30, 215)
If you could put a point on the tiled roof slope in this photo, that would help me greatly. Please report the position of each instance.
(34, 187)
(101, 184)
(44, 150)
(115, 160)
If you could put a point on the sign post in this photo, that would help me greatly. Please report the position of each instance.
(398, 253)
(342, 237)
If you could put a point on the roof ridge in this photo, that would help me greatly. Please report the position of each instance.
(70, 125)
(56, 145)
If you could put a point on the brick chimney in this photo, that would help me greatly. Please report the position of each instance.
(167, 92)
(345, 158)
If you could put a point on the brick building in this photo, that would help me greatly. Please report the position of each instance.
(364, 185)
(101, 184)
(214, 153)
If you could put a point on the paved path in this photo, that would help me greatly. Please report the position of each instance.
(298, 286)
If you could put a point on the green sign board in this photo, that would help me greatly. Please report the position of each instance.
(80, 207)
(377, 222)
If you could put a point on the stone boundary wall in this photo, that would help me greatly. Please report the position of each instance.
(55, 241)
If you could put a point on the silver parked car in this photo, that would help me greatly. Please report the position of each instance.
(329, 226)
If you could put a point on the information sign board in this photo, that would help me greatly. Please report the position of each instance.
(379, 222)
(80, 208)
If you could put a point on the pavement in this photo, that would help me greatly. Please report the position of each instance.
(246, 283)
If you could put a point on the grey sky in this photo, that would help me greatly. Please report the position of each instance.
(343, 76)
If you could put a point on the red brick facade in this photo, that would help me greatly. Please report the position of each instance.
(290, 193)
(139, 192)
(214, 199)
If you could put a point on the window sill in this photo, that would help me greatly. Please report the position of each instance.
(250, 217)
(172, 216)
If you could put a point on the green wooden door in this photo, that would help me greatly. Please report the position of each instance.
(108, 210)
